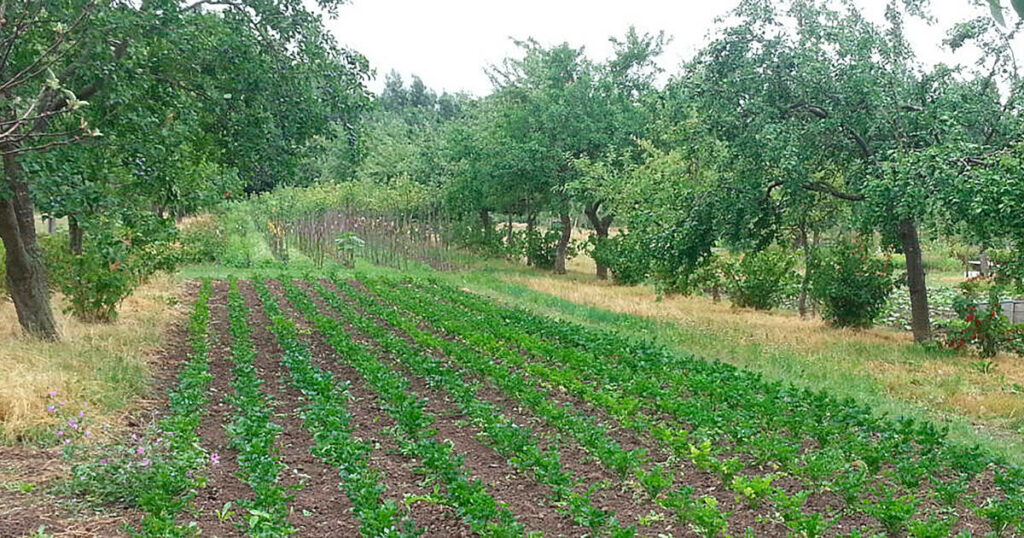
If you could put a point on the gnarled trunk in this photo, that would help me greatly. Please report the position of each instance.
(563, 243)
(920, 322)
(26, 272)
(601, 226)
(985, 269)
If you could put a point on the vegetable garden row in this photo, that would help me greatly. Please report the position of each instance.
(441, 413)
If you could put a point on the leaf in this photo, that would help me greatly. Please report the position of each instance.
(1018, 6)
(997, 10)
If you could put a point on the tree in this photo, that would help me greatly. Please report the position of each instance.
(263, 77)
(817, 102)
(998, 9)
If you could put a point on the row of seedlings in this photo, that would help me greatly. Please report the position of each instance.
(626, 407)
(657, 481)
(252, 432)
(180, 460)
(415, 435)
(518, 444)
(327, 417)
(877, 465)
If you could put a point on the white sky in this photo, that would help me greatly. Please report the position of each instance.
(448, 43)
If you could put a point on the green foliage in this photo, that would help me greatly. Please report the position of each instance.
(761, 279)
(624, 255)
(852, 284)
(539, 246)
(893, 512)
(116, 258)
(987, 329)
(348, 245)
(161, 471)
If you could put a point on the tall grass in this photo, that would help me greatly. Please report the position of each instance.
(105, 367)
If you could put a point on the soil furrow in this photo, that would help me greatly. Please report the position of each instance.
(222, 485)
(371, 424)
(525, 497)
(319, 508)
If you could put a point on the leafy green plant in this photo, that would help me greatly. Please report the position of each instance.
(933, 527)
(116, 258)
(1003, 515)
(984, 329)
(753, 489)
(704, 517)
(656, 480)
(349, 244)
(891, 511)
(851, 284)
(762, 279)
(624, 255)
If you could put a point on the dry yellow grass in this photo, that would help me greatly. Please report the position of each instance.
(884, 361)
(745, 325)
(101, 367)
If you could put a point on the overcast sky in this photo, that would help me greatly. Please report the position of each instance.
(448, 43)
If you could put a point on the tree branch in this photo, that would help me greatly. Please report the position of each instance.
(825, 188)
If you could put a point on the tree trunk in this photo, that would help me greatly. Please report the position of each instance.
(805, 282)
(601, 226)
(563, 243)
(485, 220)
(74, 236)
(986, 265)
(51, 226)
(920, 323)
(530, 218)
(26, 273)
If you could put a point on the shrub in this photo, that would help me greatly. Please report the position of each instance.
(539, 246)
(851, 284)
(987, 329)
(202, 240)
(624, 256)
(227, 237)
(469, 235)
(761, 280)
(116, 258)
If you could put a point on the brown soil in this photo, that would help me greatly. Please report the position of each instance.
(370, 423)
(525, 498)
(704, 483)
(319, 507)
(222, 484)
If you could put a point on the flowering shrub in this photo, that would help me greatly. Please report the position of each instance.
(986, 329)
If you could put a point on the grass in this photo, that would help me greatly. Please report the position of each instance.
(104, 367)
(881, 367)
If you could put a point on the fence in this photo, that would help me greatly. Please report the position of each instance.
(1014, 310)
